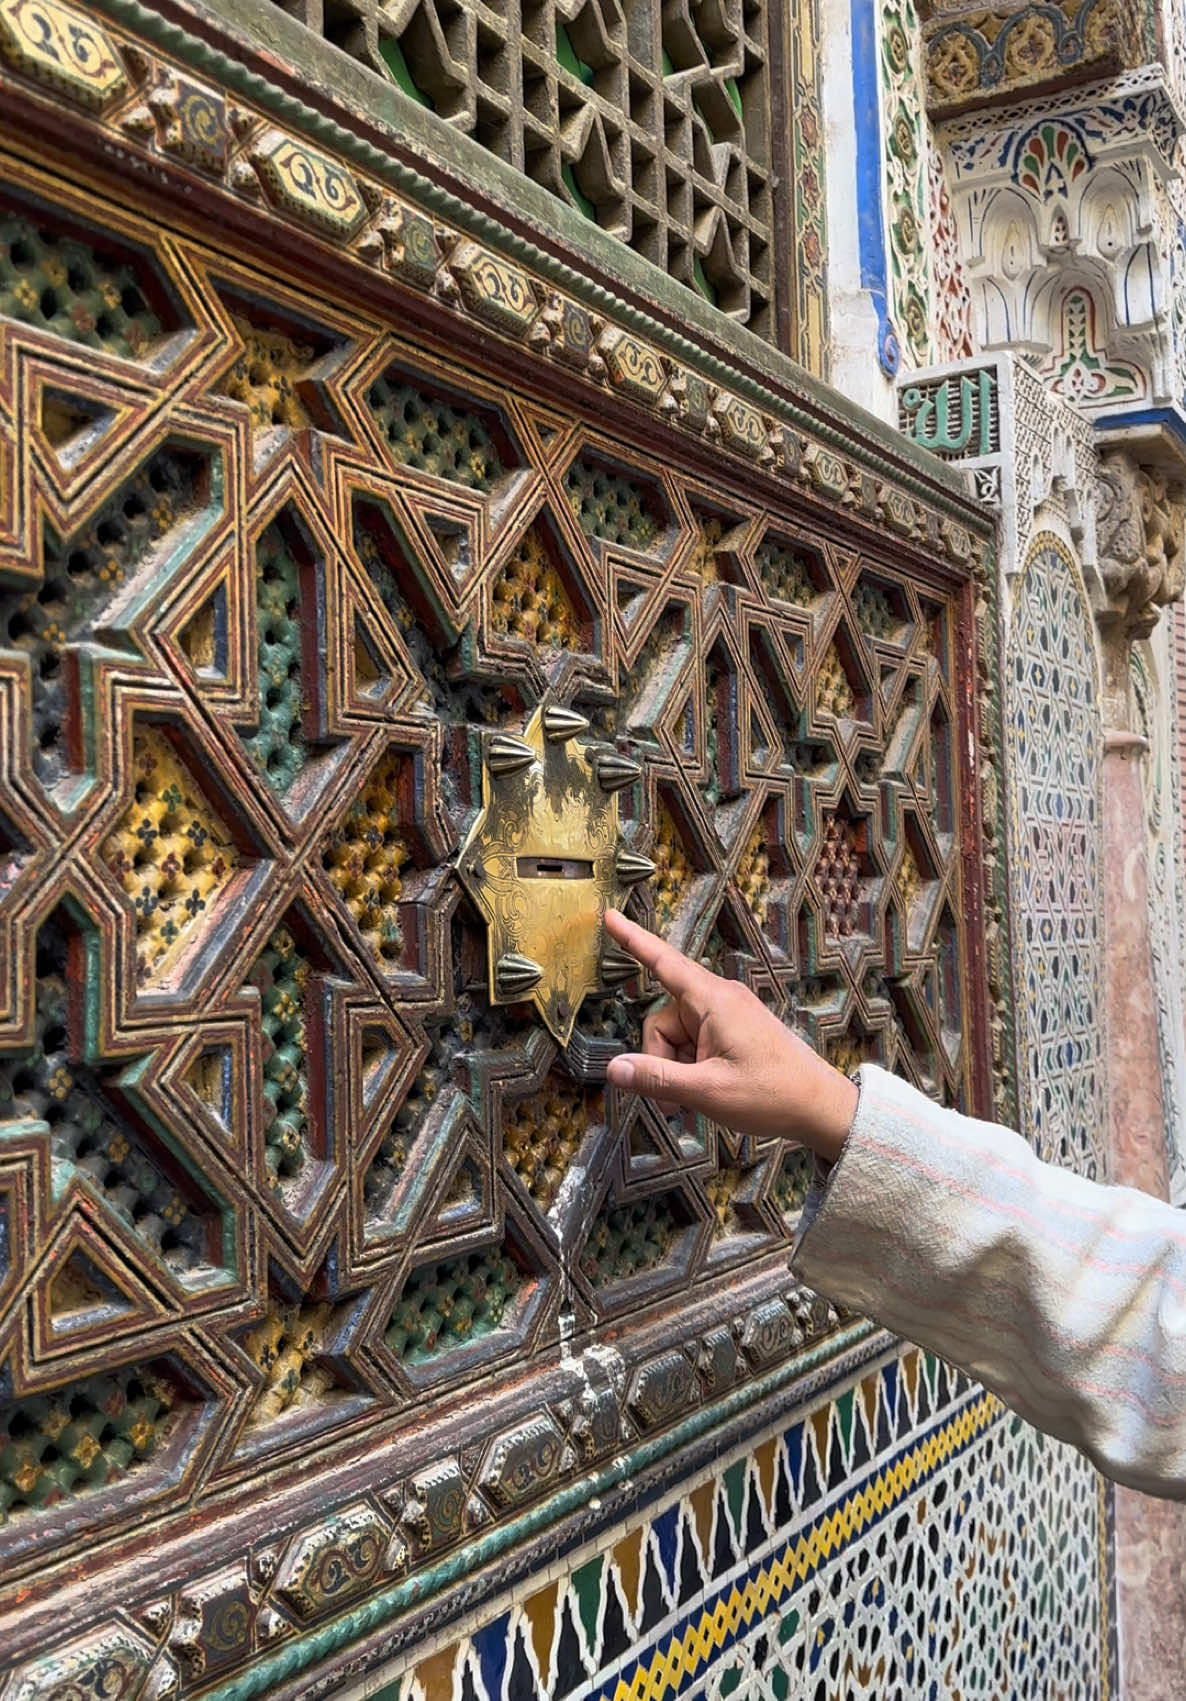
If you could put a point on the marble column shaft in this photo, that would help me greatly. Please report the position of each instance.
(1150, 1534)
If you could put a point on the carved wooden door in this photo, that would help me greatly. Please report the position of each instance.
(342, 529)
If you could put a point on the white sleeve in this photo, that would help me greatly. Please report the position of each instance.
(1065, 1297)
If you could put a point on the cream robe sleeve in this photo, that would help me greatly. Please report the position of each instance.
(1065, 1297)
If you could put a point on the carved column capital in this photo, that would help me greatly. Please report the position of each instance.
(1141, 543)
(1140, 518)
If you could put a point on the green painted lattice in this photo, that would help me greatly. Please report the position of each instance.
(609, 506)
(81, 576)
(444, 1305)
(873, 610)
(795, 1176)
(59, 284)
(281, 975)
(786, 575)
(627, 1240)
(60, 1446)
(89, 1135)
(278, 749)
(430, 435)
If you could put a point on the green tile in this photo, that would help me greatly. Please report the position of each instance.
(587, 1584)
(844, 1415)
(735, 1490)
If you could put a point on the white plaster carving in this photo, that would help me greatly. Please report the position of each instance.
(1025, 450)
(1069, 216)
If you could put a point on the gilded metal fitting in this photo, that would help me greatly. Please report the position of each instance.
(544, 860)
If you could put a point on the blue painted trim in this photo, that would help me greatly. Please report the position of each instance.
(1171, 420)
(866, 97)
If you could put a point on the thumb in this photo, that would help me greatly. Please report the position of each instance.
(695, 1086)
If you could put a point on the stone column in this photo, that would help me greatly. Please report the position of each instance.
(1141, 560)
(1178, 732)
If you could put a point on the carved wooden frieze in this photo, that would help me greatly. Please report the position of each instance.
(330, 1268)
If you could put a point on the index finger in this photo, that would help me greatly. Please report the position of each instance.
(677, 973)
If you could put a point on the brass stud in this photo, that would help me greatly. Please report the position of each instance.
(614, 772)
(630, 868)
(616, 968)
(515, 976)
(506, 755)
(562, 724)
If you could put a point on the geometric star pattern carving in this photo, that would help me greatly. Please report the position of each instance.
(277, 1176)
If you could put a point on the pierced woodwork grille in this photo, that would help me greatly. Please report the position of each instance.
(278, 1185)
(656, 123)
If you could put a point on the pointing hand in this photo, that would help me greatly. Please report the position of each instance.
(713, 1047)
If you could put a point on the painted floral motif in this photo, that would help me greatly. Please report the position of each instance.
(1025, 49)
(1080, 368)
(1051, 158)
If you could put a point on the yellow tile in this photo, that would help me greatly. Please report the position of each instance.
(540, 1612)
(435, 1674)
(627, 1557)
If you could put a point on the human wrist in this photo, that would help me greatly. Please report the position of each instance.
(832, 1113)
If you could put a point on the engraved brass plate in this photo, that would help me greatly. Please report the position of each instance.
(544, 861)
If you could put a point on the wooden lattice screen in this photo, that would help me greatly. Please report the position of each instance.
(326, 1279)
